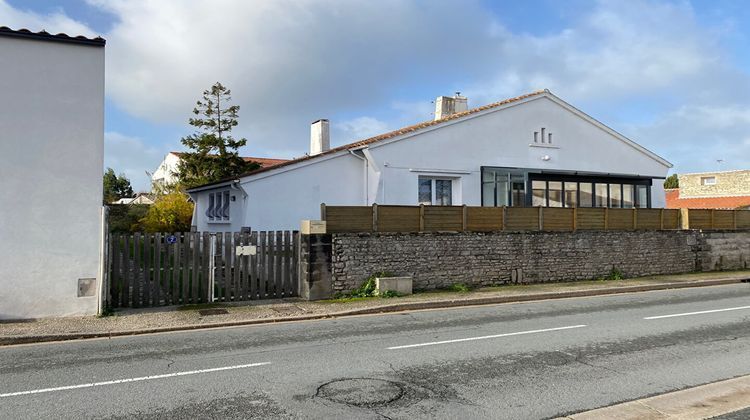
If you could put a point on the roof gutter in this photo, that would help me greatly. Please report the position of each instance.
(212, 186)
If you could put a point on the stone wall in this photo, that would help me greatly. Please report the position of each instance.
(437, 260)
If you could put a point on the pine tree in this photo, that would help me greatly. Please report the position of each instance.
(116, 187)
(213, 151)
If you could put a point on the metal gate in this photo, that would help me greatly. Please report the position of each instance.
(156, 269)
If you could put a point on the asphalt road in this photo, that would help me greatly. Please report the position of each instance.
(516, 361)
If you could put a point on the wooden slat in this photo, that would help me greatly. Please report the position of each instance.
(295, 263)
(205, 266)
(156, 285)
(590, 218)
(254, 261)
(115, 278)
(219, 280)
(236, 268)
(186, 263)
(138, 272)
(228, 283)
(671, 218)
(128, 255)
(195, 271)
(279, 263)
(649, 219)
(288, 266)
(262, 273)
(348, 219)
(270, 280)
(176, 287)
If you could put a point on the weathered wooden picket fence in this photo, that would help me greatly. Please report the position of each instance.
(155, 269)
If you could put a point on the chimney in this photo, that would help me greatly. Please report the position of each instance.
(447, 105)
(320, 138)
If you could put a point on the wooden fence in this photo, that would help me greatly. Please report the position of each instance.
(387, 218)
(155, 269)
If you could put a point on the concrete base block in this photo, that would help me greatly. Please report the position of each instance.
(400, 285)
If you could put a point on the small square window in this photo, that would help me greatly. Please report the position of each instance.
(708, 180)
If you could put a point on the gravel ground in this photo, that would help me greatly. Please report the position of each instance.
(276, 310)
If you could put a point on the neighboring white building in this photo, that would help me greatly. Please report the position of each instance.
(51, 160)
(531, 150)
(140, 198)
(166, 173)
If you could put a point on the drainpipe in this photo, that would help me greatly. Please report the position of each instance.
(238, 187)
(371, 160)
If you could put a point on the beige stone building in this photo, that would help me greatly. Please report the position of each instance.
(715, 184)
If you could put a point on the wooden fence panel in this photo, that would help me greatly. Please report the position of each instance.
(253, 271)
(723, 219)
(115, 278)
(743, 219)
(699, 219)
(484, 219)
(522, 218)
(591, 218)
(348, 219)
(397, 219)
(648, 219)
(442, 218)
(620, 219)
(557, 219)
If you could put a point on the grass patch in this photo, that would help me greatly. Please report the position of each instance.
(459, 287)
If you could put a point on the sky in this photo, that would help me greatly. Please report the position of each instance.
(673, 76)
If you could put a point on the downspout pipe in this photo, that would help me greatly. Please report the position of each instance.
(367, 174)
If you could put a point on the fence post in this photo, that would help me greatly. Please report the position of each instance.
(463, 215)
(635, 218)
(374, 217)
(421, 217)
(505, 218)
(684, 219)
(575, 219)
(211, 267)
(734, 219)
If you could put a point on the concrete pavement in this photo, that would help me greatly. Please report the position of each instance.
(527, 360)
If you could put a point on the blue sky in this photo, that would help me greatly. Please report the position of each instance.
(672, 75)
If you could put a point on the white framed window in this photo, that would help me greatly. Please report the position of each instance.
(218, 206)
(435, 191)
(708, 180)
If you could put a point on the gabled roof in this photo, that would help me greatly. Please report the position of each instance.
(46, 36)
(262, 161)
(427, 124)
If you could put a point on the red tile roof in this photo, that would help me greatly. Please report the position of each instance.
(389, 135)
(733, 202)
(262, 161)
(46, 36)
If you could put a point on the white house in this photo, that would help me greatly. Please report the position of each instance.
(51, 160)
(168, 170)
(532, 150)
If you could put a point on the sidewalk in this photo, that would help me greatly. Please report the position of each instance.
(143, 321)
(702, 402)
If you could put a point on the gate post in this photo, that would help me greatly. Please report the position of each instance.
(315, 281)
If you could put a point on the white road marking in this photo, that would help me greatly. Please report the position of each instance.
(459, 340)
(698, 313)
(128, 380)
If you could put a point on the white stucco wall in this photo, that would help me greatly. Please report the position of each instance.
(51, 158)
(279, 199)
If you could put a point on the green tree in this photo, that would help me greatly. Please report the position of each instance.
(171, 212)
(116, 187)
(672, 182)
(213, 152)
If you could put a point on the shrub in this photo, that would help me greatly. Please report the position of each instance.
(615, 274)
(170, 213)
(459, 287)
(367, 289)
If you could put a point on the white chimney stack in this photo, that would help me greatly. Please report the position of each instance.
(447, 105)
(320, 137)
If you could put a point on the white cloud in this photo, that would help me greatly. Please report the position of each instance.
(361, 128)
(133, 157)
(53, 22)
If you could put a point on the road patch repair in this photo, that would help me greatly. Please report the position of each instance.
(701, 402)
(167, 319)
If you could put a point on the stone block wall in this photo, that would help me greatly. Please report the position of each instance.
(731, 183)
(437, 260)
